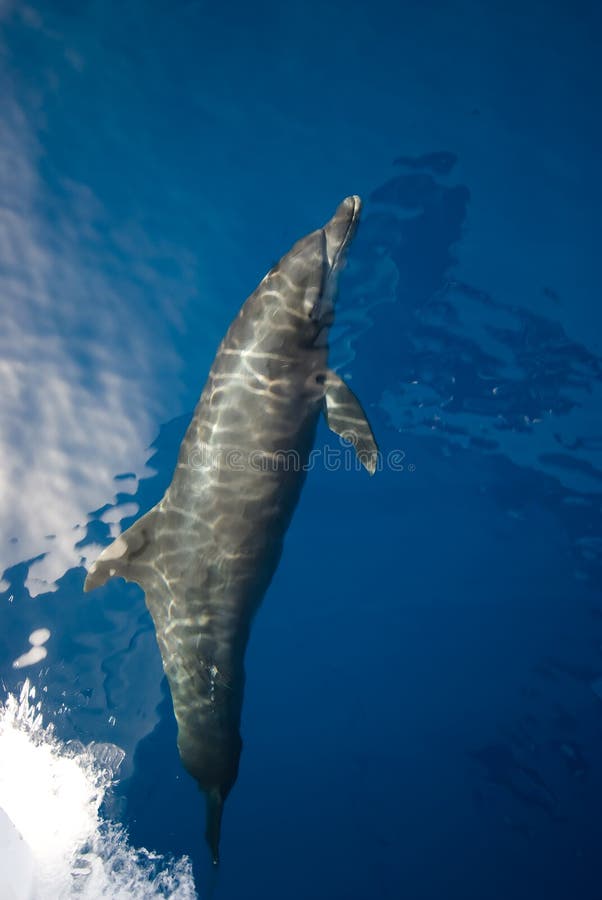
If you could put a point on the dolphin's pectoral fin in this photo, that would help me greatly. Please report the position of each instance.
(345, 416)
(126, 556)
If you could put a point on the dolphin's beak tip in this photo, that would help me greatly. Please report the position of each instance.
(353, 201)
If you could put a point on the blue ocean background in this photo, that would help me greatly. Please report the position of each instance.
(423, 709)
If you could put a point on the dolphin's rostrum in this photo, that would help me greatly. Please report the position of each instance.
(206, 553)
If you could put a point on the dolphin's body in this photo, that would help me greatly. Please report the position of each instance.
(206, 553)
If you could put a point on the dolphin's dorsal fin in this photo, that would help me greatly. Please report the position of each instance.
(345, 416)
(128, 556)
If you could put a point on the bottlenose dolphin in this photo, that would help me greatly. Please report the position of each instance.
(206, 553)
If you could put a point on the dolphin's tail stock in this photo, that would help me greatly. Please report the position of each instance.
(215, 807)
(129, 556)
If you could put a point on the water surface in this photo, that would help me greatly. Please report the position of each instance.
(424, 679)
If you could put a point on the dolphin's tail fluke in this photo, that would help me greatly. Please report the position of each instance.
(215, 807)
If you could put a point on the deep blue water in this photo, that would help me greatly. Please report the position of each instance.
(423, 711)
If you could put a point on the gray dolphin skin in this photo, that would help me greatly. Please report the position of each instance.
(206, 553)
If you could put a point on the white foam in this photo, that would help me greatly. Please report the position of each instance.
(52, 831)
(16, 863)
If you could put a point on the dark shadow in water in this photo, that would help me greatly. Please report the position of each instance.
(508, 370)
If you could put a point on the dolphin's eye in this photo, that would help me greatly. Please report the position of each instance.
(321, 378)
(314, 313)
